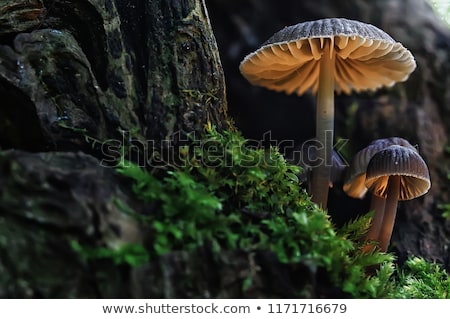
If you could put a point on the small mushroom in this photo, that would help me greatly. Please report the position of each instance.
(396, 173)
(354, 184)
(324, 56)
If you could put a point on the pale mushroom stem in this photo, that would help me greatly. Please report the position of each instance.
(377, 205)
(390, 211)
(324, 126)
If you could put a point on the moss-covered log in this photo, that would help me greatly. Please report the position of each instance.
(62, 214)
(74, 76)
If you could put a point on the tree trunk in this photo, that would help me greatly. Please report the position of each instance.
(104, 69)
(91, 76)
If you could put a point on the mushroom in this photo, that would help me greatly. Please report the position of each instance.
(324, 56)
(396, 173)
(354, 184)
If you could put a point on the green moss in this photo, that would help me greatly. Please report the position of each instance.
(445, 210)
(131, 254)
(421, 279)
(227, 195)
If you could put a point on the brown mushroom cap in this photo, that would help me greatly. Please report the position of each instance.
(401, 161)
(354, 185)
(366, 57)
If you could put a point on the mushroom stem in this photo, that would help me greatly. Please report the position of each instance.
(324, 126)
(377, 205)
(390, 211)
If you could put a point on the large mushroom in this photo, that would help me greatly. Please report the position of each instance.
(396, 173)
(354, 184)
(324, 56)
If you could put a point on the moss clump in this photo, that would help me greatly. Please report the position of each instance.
(228, 195)
(421, 279)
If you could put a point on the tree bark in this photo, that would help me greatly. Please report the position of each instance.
(48, 201)
(90, 77)
(144, 69)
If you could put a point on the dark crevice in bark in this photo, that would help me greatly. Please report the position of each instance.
(20, 127)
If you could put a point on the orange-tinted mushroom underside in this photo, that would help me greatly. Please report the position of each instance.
(361, 64)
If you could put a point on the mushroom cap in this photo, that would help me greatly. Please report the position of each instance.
(366, 57)
(402, 161)
(354, 185)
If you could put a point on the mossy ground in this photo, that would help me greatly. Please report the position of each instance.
(228, 195)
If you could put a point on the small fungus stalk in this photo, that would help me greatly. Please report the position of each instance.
(390, 211)
(377, 205)
(324, 126)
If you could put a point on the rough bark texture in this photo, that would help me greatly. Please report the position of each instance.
(202, 274)
(47, 201)
(104, 69)
(417, 110)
